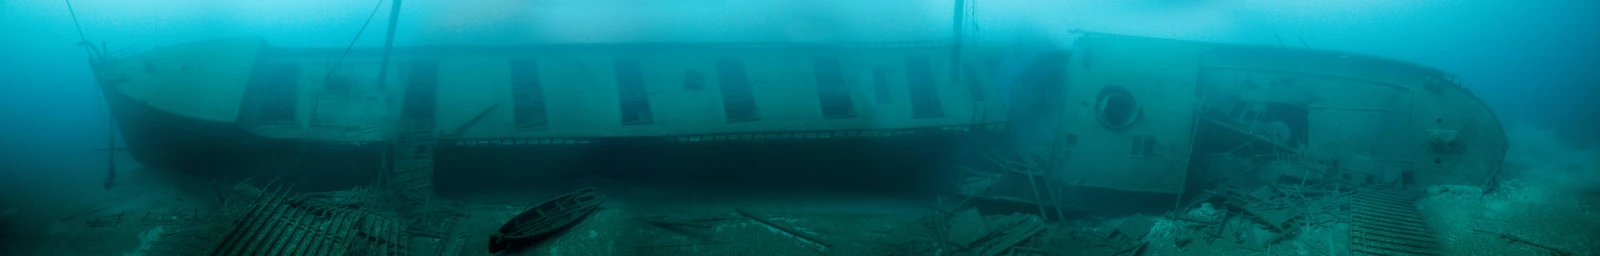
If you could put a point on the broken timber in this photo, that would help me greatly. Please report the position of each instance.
(785, 229)
(1006, 237)
(1517, 239)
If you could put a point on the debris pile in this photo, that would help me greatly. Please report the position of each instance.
(700, 234)
(254, 221)
(1259, 219)
(967, 232)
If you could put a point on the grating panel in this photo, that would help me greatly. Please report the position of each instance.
(1387, 223)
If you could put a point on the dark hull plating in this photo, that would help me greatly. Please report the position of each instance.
(226, 152)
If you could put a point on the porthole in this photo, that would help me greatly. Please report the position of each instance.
(1116, 108)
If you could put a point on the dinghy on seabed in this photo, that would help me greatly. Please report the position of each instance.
(546, 220)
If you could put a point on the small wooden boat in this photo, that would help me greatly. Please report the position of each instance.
(546, 219)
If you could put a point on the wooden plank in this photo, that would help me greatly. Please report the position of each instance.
(291, 230)
(319, 242)
(1014, 240)
(302, 241)
(270, 229)
(346, 227)
(241, 231)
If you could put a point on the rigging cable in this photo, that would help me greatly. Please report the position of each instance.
(94, 54)
(95, 60)
(353, 41)
(75, 22)
(957, 25)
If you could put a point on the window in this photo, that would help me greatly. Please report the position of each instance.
(630, 89)
(1116, 108)
(737, 102)
(920, 85)
(974, 82)
(527, 96)
(420, 90)
(880, 85)
(277, 86)
(832, 91)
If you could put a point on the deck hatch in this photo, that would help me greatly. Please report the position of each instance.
(737, 101)
(527, 94)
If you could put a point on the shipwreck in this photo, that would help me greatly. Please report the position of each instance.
(1120, 112)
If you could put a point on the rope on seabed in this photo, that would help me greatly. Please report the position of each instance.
(347, 48)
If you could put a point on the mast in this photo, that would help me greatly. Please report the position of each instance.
(955, 46)
(407, 168)
(388, 44)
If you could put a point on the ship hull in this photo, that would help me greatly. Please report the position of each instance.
(226, 152)
(1119, 113)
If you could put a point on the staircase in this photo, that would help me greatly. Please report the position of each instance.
(412, 173)
(430, 221)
